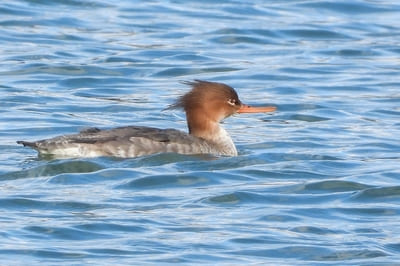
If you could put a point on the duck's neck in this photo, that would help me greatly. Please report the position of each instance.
(203, 127)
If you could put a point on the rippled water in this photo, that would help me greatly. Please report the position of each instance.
(317, 182)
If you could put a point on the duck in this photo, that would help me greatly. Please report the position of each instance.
(205, 105)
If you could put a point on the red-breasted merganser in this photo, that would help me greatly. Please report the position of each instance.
(205, 106)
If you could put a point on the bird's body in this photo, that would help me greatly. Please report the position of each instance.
(205, 105)
(128, 142)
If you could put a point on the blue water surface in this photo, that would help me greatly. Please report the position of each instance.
(315, 183)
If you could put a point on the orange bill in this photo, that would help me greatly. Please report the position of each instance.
(249, 109)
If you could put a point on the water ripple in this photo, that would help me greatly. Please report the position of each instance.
(53, 169)
(378, 194)
(316, 182)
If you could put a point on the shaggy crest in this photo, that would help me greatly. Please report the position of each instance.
(203, 92)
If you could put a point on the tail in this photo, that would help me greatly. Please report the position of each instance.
(28, 144)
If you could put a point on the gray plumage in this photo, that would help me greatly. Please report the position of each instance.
(130, 141)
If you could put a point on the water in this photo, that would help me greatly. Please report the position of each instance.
(317, 182)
